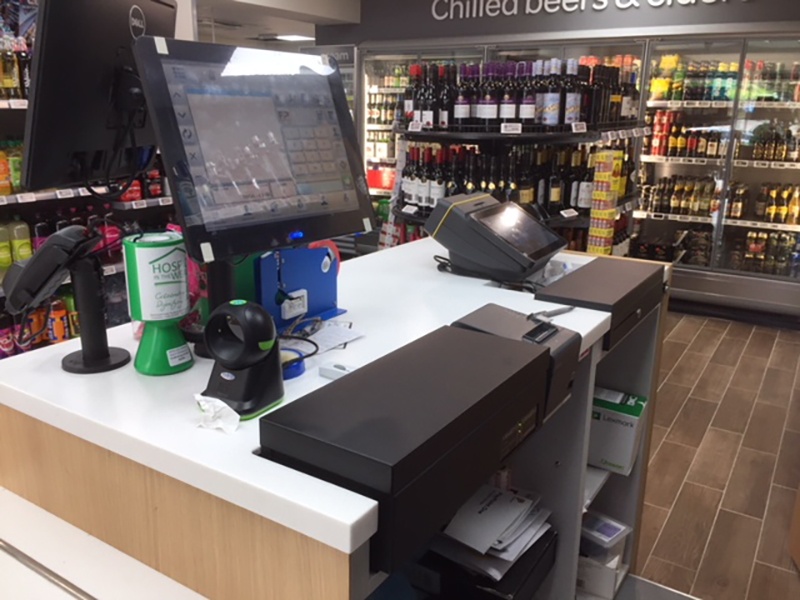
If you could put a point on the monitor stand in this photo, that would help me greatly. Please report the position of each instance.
(94, 356)
(221, 289)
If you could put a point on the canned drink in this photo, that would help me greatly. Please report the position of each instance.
(58, 322)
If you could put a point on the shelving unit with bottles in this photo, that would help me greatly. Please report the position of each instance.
(478, 119)
(739, 100)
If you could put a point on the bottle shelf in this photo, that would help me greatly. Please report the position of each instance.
(371, 127)
(385, 90)
(140, 204)
(64, 194)
(762, 225)
(684, 160)
(578, 133)
(643, 214)
(578, 222)
(750, 105)
(765, 164)
(13, 104)
(382, 161)
(676, 104)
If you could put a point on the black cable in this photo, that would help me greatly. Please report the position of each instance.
(22, 341)
(300, 359)
(445, 265)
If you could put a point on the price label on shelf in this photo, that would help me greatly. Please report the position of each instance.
(761, 164)
(782, 104)
(3, 200)
(18, 104)
(613, 136)
(165, 201)
(660, 159)
(658, 216)
(65, 194)
(624, 134)
(648, 130)
(741, 163)
(605, 136)
(792, 165)
(579, 127)
(774, 225)
(139, 204)
(409, 210)
(674, 104)
(696, 219)
(691, 103)
(779, 165)
(704, 104)
(415, 126)
(4, 104)
(720, 104)
(83, 192)
(701, 161)
(110, 270)
(683, 218)
(638, 132)
(25, 198)
(761, 104)
(511, 128)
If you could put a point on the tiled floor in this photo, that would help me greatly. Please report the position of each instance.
(725, 462)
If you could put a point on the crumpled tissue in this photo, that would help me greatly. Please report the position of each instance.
(216, 414)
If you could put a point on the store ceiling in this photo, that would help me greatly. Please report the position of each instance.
(231, 22)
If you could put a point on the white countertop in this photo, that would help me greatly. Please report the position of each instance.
(394, 297)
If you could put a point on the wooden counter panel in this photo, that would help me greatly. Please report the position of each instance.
(209, 545)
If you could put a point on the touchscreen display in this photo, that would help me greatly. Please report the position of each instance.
(261, 147)
(518, 228)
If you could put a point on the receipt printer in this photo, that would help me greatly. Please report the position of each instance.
(418, 430)
(564, 346)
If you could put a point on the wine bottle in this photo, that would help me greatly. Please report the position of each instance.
(586, 186)
(488, 106)
(542, 68)
(461, 105)
(410, 92)
(409, 177)
(553, 111)
(455, 177)
(430, 106)
(509, 101)
(576, 175)
(419, 92)
(572, 94)
(437, 180)
(527, 102)
(556, 186)
(470, 180)
(422, 187)
(527, 195)
(446, 97)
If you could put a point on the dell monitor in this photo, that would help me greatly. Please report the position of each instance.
(259, 147)
(87, 121)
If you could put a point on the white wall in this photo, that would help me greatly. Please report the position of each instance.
(186, 25)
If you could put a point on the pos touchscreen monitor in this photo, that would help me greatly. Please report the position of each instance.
(259, 146)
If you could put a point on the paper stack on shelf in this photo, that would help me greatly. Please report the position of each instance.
(492, 530)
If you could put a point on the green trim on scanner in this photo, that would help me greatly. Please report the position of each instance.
(267, 345)
(261, 412)
(238, 302)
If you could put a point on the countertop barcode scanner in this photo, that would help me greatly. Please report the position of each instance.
(241, 337)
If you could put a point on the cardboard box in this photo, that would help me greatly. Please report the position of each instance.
(794, 534)
(598, 579)
(617, 423)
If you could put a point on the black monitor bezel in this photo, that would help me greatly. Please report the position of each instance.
(204, 245)
(545, 251)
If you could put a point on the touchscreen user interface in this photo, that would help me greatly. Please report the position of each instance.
(260, 148)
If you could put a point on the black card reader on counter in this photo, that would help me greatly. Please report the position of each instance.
(492, 240)
(564, 345)
(419, 430)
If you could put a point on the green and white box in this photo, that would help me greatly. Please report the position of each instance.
(618, 420)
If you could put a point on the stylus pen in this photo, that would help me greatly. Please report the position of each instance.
(549, 314)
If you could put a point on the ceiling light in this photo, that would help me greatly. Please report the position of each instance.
(294, 38)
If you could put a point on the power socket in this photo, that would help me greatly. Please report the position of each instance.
(297, 307)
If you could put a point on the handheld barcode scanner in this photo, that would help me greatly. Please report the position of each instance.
(242, 339)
